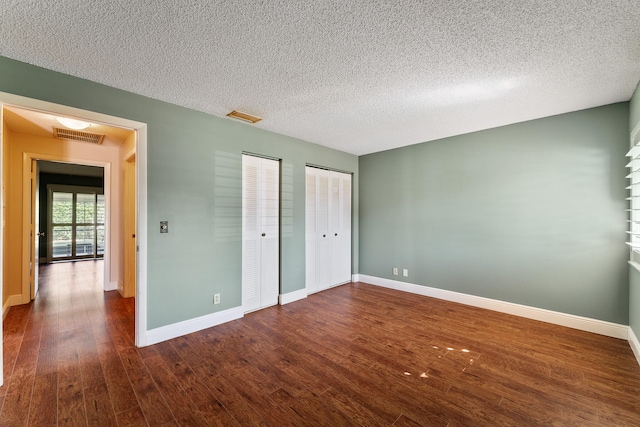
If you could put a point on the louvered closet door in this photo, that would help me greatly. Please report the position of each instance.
(323, 258)
(311, 226)
(341, 227)
(260, 232)
(328, 225)
(270, 236)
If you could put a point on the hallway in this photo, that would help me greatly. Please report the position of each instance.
(60, 345)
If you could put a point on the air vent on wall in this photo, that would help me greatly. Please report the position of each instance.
(75, 135)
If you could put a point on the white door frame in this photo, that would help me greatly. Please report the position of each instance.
(141, 195)
(26, 208)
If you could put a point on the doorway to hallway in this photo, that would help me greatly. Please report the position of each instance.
(16, 160)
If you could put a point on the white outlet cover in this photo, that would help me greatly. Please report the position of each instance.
(395, 271)
(405, 272)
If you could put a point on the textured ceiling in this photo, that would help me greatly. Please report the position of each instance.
(360, 76)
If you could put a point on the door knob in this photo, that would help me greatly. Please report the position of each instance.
(264, 234)
(336, 234)
(41, 234)
(324, 235)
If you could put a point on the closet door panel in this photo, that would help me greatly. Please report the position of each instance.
(270, 231)
(250, 237)
(343, 240)
(311, 230)
(328, 229)
(335, 233)
(323, 260)
(341, 228)
(260, 232)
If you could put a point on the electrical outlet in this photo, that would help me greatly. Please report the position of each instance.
(395, 271)
(405, 272)
(216, 298)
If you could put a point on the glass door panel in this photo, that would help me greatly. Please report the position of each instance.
(62, 212)
(62, 224)
(85, 237)
(85, 208)
(77, 225)
(61, 241)
(100, 239)
(100, 212)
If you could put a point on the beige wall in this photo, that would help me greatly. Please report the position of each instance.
(14, 147)
(5, 184)
(128, 147)
(126, 286)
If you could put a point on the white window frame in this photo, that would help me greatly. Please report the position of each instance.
(74, 189)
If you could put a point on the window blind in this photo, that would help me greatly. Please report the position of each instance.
(634, 204)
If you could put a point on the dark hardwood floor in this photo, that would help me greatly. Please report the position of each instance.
(353, 355)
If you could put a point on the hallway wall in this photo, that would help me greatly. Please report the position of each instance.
(15, 146)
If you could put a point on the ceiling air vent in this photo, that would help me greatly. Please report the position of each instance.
(75, 135)
(243, 116)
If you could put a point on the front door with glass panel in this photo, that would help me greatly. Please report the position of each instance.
(76, 223)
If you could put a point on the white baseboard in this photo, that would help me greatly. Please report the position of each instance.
(179, 329)
(569, 320)
(355, 278)
(111, 286)
(635, 344)
(292, 296)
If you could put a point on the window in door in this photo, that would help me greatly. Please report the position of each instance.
(76, 224)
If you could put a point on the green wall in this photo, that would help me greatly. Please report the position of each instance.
(634, 275)
(531, 213)
(194, 182)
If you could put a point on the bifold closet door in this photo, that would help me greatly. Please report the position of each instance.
(311, 234)
(340, 227)
(260, 232)
(328, 229)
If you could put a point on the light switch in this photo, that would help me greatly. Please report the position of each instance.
(164, 226)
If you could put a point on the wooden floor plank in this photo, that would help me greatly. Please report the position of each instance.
(71, 405)
(120, 389)
(354, 355)
(206, 402)
(43, 410)
(99, 408)
(15, 410)
(242, 411)
(151, 402)
(184, 410)
(132, 418)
